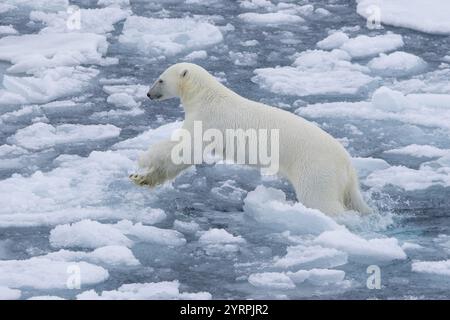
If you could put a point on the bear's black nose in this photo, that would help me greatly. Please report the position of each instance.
(148, 95)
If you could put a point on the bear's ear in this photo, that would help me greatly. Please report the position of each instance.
(184, 73)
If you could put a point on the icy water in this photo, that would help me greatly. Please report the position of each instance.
(224, 239)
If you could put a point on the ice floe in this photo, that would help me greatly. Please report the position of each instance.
(145, 291)
(311, 256)
(113, 255)
(420, 151)
(46, 85)
(388, 104)
(9, 294)
(8, 30)
(99, 21)
(272, 18)
(167, 37)
(42, 135)
(52, 50)
(316, 72)
(87, 234)
(92, 234)
(397, 64)
(430, 16)
(41, 273)
(441, 268)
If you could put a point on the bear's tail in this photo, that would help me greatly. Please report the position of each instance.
(353, 198)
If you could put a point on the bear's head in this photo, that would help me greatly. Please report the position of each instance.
(171, 82)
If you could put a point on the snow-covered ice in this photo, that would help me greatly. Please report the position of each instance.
(145, 291)
(42, 135)
(168, 37)
(74, 118)
(430, 16)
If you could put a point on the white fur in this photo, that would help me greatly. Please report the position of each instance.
(314, 162)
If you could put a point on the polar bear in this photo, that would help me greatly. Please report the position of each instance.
(316, 164)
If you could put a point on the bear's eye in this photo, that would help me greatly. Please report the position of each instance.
(160, 81)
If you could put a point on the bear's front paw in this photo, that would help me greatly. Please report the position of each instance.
(152, 178)
(138, 179)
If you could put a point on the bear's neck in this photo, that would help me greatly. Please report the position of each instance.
(198, 94)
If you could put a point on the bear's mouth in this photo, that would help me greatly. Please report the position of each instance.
(154, 96)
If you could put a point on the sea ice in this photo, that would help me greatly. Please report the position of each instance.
(168, 37)
(52, 50)
(398, 63)
(98, 21)
(427, 16)
(441, 268)
(41, 273)
(145, 291)
(9, 294)
(42, 135)
(316, 72)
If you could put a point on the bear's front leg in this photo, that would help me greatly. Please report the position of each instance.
(157, 165)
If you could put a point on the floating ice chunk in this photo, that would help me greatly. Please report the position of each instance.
(435, 81)
(77, 189)
(149, 137)
(363, 46)
(430, 110)
(219, 242)
(43, 273)
(269, 206)
(145, 291)
(46, 298)
(138, 92)
(5, 7)
(87, 234)
(116, 115)
(255, 4)
(109, 255)
(318, 277)
(271, 19)
(119, 3)
(229, 191)
(98, 21)
(151, 234)
(7, 30)
(213, 236)
(196, 55)
(9, 99)
(52, 50)
(430, 16)
(244, 58)
(168, 37)
(50, 84)
(311, 257)
(49, 5)
(316, 72)
(41, 135)
(9, 294)
(416, 150)
(122, 99)
(272, 280)
(360, 249)
(398, 63)
(365, 166)
(322, 12)
(186, 227)
(409, 179)
(409, 246)
(441, 268)
(333, 41)
(151, 216)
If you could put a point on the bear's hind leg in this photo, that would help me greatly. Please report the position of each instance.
(319, 193)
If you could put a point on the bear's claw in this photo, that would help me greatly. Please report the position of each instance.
(138, 179)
